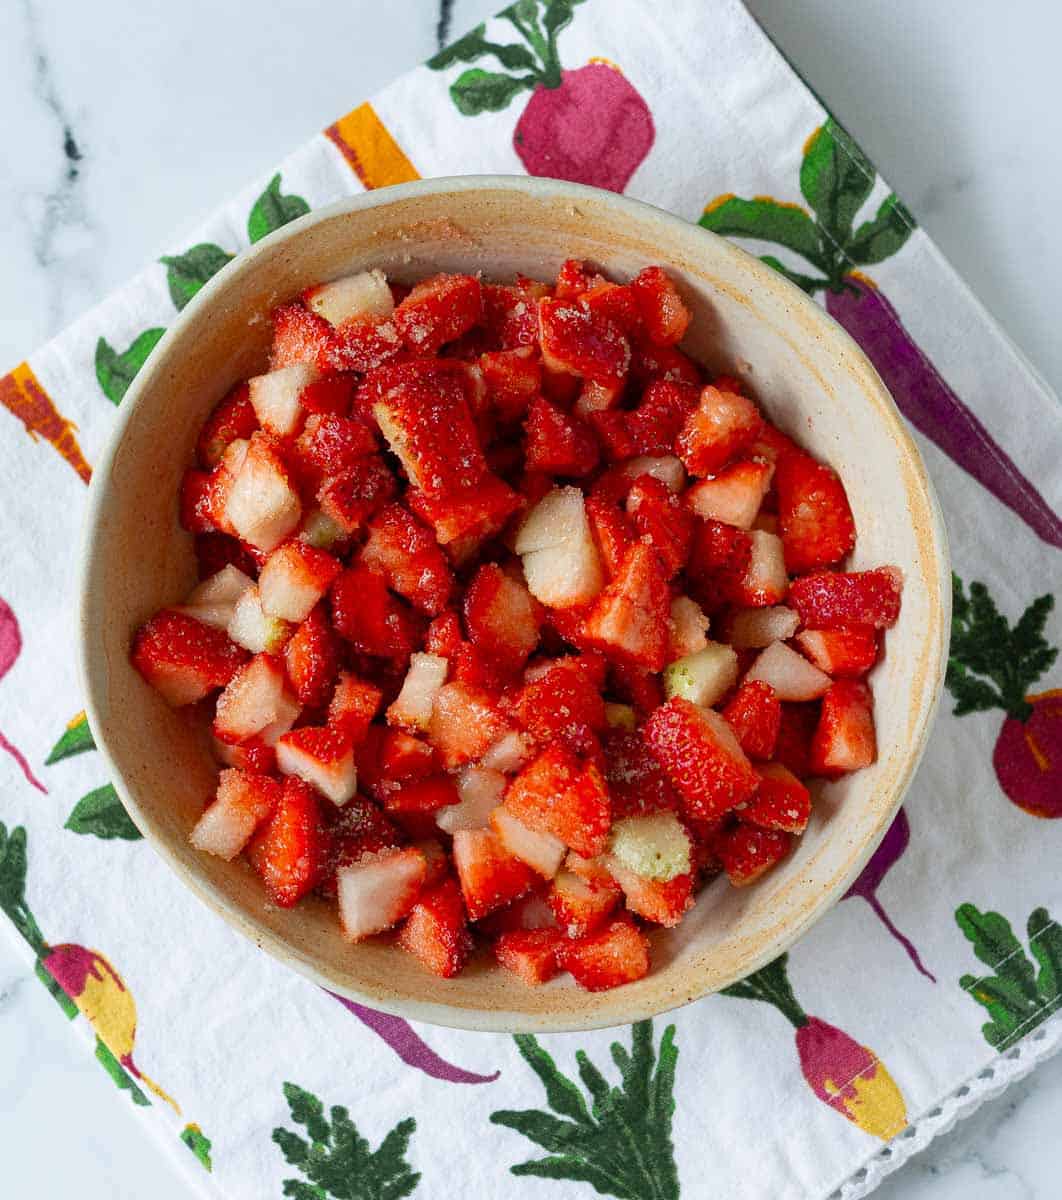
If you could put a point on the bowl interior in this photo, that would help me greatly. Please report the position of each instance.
(810, 378)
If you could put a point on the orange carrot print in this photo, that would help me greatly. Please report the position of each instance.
(22, 395)
(370, 149)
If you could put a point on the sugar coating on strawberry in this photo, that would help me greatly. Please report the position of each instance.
(814, 516)
(529, 953)
(636, 781)
(722, 425)
(332, 443)
(255, 701)
(781, 801)
(294, 578)
(511, 312)
(835, 599)
(489, 875)
(351, 497)
(290, 851)
(353, 705)
(407, 555)
(323, 758)
(378, 890)
(748, 852)
(663, 902)
(263, 504)
(233, 419)
(369, 617)
(465, 720)
(616, 954)
(845, 739)
(184, 659)
(734, 495)
(664, 316)
(501, 616)
(661, 521)
(564, 705)
(513, 379)
(561, 794)
(754, 713)
(311, 659)
(436, 930)
(578, 342)
(630, 617)
(581, 903)
(557, 442)
(438, 310)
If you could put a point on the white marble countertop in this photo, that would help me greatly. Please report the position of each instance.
(128, 120)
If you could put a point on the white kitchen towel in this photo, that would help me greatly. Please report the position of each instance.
(930, 986)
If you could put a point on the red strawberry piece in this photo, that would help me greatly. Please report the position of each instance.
(747, 852)
(378, 890)
(833, 599)
(656, 423)
(513, 379)
(464, 722)
(844, 739)
(616, 302)
(291, 849)
(558, 793)
(351, 497)
(781, 801)
(438, 310)
(735, 495)
(845, 653)
(251, 755)
(662, 521)
(501, 616)
(359, 828)
(613, 435)
(331, 395)
(636, 782)
(182, 658)
(615, 955)
(765, 581)
(214, 551)
(636, 685)
(242, 802)
(630, 616)
(331, 444)
(722, 425)
(719, 561)
(702, 758)
(444, 635)
(321, 756)
(511, 312)
(354, 704)
(663, 315)
(295, 577)
(255, 702)
(582, 901)
(814, 517)
(201, 507)
(563, 705)
(407, 555)
(299, 336)
(362, 346)
(558, 443)
(574, 278)
(437, 858)
(370, 618)
(311, 658)
(755, 714)
(436, 931)
(421, 795)
(664, 902)
(772, 444)
(465, 518)
(577, 342)
(530, 954)
(797, 728)
(233, 419)
(668, 364)
(529, 911)
(612, 532)
(489, 875)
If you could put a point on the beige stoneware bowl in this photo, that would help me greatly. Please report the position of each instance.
(810, 377)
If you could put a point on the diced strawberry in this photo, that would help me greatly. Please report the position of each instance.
(755, 714)
(529, 911)
(513, 379)
(311, 658)
(656, 423)
(781, 801)
(813, 514)
(242, 802)
(353, 706)
(722, 425)
(560, 560)
(323, 758)
(558, 443)
(436, 931)
(564, 705)
(201, 507)
(574, 278)
(580, 343)
(637, 685)
(662, 521)
(613, 436)
(666, 363)
(616, 301)
(438, 310)
(464, 722)
(251, 755)
(797, 728)
(755, 628)
(421, 795)
(262, 506)
(663, 315)
(275, 397)
(772, 444)
(687, 628)
(290, 851)
(465, 518)
(734, 495)
(529, 953)
(299, 336)
(253, 700)
(790, 674)
(511, 312)
(332, 444)
(363, 346)
(615, 955)
(665, 902)
(702, 757)
(844, 739)
(635, 780)
(294, 578)
(213, 551)
(541, 851)
(582, 903)
(612, 532)
(480, 671)
(369, 617)
(630, 616)
(489, 875)
(718, 564)
(351, 497)
(233, 419)
(332, 395)
(378, 890)
(747, 852)
(844, 653)
(359, 828)
(362, 296)
(833, 599)
(501, 617)
(765, 581)
(443, 636)
(182, 658)
(558, 793)
(412, 707)
(409, 558)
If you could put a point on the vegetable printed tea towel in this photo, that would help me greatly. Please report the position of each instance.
(932, 984)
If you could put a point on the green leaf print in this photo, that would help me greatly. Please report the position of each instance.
(187, 273)
(622, 1144)
(477, 91)
(120, 1075)
(13, 863)
(769, 221)
(836, 178)
(77, 739)
(475, 45)
(102, 815)
(1017, 998)
(199, 1144)
(115, 372)
(880, 238)
(272, 210)
(337, 1160)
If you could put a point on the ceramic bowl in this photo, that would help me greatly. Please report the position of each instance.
(747, 320)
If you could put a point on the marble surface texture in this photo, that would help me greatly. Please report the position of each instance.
(124, 122)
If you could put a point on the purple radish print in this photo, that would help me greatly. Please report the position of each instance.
(588, 125)
(884, 858)
(410, 1047)
(836, 179)
(10, 648)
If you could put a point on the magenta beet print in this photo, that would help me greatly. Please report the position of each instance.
(836, 179)
(993, 665)
(410, 1047)
(884, 858)
(10, 648)
(587, 125)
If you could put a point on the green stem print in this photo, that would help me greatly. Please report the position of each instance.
(77, 739)
(621, 1144)
(114, 371)
(993, 665)
(1017, 997)
(100, 812)
(336, 1161)
(827, 250)
(199, 1144)
(848, 1077)
(272, 209)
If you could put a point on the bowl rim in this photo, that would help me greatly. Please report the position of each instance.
(504, 1020)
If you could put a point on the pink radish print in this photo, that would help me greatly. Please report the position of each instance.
(588, 125)
(836, 179)
(991, 665)
(409, 1046)
(10, 648)
(884, 858)
(848, 1077)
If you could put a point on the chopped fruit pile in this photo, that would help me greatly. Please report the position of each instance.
(514, 626)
